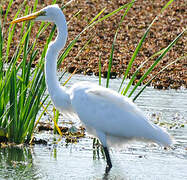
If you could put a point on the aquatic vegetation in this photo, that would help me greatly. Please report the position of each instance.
(22, 88)
(68, 131)
(177, 121)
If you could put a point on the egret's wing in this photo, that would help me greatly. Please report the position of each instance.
(113, 114)
(114, 99)
(110, 112)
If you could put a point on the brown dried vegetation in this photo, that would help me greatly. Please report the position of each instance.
(169, 25)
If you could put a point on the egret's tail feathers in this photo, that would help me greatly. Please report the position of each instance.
(162, 137)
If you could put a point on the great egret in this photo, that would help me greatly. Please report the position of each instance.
(106, 114)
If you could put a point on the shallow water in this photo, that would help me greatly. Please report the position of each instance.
(133, 162)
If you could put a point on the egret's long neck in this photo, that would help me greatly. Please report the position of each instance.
(58, 94)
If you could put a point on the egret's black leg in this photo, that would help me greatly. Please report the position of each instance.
(108, 160)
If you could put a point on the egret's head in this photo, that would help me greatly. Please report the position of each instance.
(49, 13)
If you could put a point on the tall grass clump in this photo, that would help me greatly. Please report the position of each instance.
(21, 86)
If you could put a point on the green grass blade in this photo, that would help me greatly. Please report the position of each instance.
(168, 3)
(148, 83)
(8, 9)
(97, 15)
(67, 50)
(35, 5)
(65, 5)
(110, 61)
(156, 62)
(10, 36)
(23, 24)
(85, 45)
(47, 43)
(13, 108)
(112, 13)
(1, 51)
(138, 69)
(114, 41)
(135, 54)
(126, 11)
(56, 118)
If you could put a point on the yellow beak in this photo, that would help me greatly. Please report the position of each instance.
(28, 17)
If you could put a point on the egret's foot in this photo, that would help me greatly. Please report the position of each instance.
(108, 160)
(107, 170)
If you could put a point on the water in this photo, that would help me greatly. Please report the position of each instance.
(137, 161)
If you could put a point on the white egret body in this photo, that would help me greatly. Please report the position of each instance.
(106, 114)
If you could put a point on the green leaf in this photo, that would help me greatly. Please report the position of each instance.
(114, 41)
(168, 3)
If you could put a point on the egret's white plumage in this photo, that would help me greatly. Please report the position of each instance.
(106, 114)
(112, 114)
